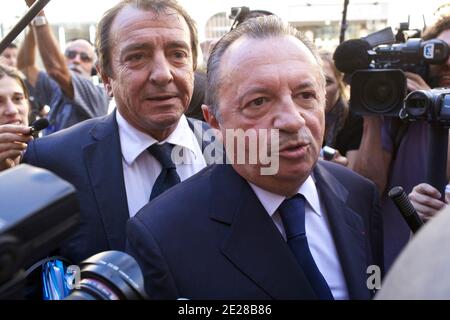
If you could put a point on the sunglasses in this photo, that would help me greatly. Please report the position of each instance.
(71, 54)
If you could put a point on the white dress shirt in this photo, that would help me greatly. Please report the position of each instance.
(141, 169)
(320, 240)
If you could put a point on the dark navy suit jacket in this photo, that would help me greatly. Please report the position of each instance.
(210, 238)
(88, 155)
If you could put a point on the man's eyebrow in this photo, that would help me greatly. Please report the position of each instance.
(135, 46)
(148, 46)
(252, 90)
(178, 44)
(304, 85)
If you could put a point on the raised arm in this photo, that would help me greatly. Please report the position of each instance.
(54, 61)
(26, 58)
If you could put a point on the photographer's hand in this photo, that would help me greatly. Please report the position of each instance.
(415, 82)
(13, 141)
(339, 159)
(371, 160)
(426, 201)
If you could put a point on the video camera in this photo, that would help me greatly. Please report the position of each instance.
(430, 105)
(241, 14)
(377, 64)
(38, 210)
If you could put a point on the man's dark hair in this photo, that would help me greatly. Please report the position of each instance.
(433, 31)
(255, 28)
(103, 41)
(12, 45)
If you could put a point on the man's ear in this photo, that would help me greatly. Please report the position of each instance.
(212, 121)
(209, 117)
(106, 82)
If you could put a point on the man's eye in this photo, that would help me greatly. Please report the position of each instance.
(258, 102)
(307, 95)
(180, 55)
(135, 57)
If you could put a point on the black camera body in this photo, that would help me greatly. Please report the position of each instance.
(430, 105)
(39, 210)
(377, 91)
(382, 88)
(375, 66)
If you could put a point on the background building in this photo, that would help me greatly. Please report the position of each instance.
(319, 19)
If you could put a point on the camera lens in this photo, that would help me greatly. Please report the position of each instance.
(110, 275)
(416, 104)
(380, 93)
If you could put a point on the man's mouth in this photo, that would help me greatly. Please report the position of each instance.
(294, 149)
(75, 70)
(161, 98)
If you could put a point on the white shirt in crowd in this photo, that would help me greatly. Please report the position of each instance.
(141, 169)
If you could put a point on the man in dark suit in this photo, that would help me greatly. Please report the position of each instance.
(306, 230)
(147, 57)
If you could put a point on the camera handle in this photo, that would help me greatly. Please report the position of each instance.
(23, 23)
(437, 157)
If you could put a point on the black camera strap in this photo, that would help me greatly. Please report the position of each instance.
(40, 263)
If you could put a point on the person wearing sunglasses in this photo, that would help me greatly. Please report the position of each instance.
(66, 86)
(80, 56)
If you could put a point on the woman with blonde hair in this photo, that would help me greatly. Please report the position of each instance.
(343, 129)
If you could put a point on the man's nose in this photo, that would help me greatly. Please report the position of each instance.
(161, 73)
(289, 117)
(76, 59)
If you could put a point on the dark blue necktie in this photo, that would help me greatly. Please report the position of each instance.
(168, 176)
(292, 212)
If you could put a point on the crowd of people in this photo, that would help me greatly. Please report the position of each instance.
(212, 226)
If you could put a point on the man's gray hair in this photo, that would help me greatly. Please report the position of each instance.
(256, 28)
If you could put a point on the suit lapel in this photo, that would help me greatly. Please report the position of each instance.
(348, 232)
(103, 160)
(254, 244)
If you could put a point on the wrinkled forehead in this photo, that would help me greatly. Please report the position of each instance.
(132, 22)
(247, 51)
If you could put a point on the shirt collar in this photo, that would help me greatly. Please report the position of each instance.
(133, 141)
(271, 201)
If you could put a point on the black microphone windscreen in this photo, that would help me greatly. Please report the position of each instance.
(352, 55)
(40, 124)
(409, 213)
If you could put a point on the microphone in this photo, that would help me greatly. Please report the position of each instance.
(352, 55)
(398, 195)
(38, 125)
